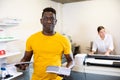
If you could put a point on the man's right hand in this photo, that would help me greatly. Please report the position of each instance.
(23, 63)
(21, 66)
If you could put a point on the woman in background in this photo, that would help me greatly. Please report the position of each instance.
(103, 44)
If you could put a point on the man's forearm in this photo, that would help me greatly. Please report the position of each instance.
(70, 64)
(70, 61)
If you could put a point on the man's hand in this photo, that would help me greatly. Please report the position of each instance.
(23, 63)
(22, 66)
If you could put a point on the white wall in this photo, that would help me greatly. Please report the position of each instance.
(29, 12)
(81, 19)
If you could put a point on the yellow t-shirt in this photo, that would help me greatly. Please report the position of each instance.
(47, 51)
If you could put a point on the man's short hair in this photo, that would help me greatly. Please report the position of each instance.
(49, 9)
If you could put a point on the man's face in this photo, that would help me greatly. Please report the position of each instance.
(48, 21)
(102, 33)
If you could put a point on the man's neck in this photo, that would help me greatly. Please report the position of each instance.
(48, 33)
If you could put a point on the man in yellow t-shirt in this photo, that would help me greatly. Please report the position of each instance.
(47, 46)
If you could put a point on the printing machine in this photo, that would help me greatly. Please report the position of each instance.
(95, 67)
(102, 60)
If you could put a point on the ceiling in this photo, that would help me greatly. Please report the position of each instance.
(67, 1)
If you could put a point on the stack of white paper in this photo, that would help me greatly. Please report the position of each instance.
(58, 70)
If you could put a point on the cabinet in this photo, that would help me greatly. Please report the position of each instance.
(4, 39)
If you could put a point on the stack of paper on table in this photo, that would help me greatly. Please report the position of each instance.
(58, 70)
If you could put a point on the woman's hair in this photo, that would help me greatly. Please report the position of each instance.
(100, 28)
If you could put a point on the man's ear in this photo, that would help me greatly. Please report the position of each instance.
(41, 21)
(55, 21)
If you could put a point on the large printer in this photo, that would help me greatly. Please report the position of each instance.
(103, 60)
(95, 67)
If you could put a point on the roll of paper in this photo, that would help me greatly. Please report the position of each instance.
(79, 59)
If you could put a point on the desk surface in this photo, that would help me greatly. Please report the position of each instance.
(112, 71)
(97, 70)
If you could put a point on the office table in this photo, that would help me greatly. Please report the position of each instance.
(86, 72)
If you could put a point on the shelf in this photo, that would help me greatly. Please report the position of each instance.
(9, 54)
(7, 25)
(4, 22)
(11, 69)
(7, 39)
(15, 75)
